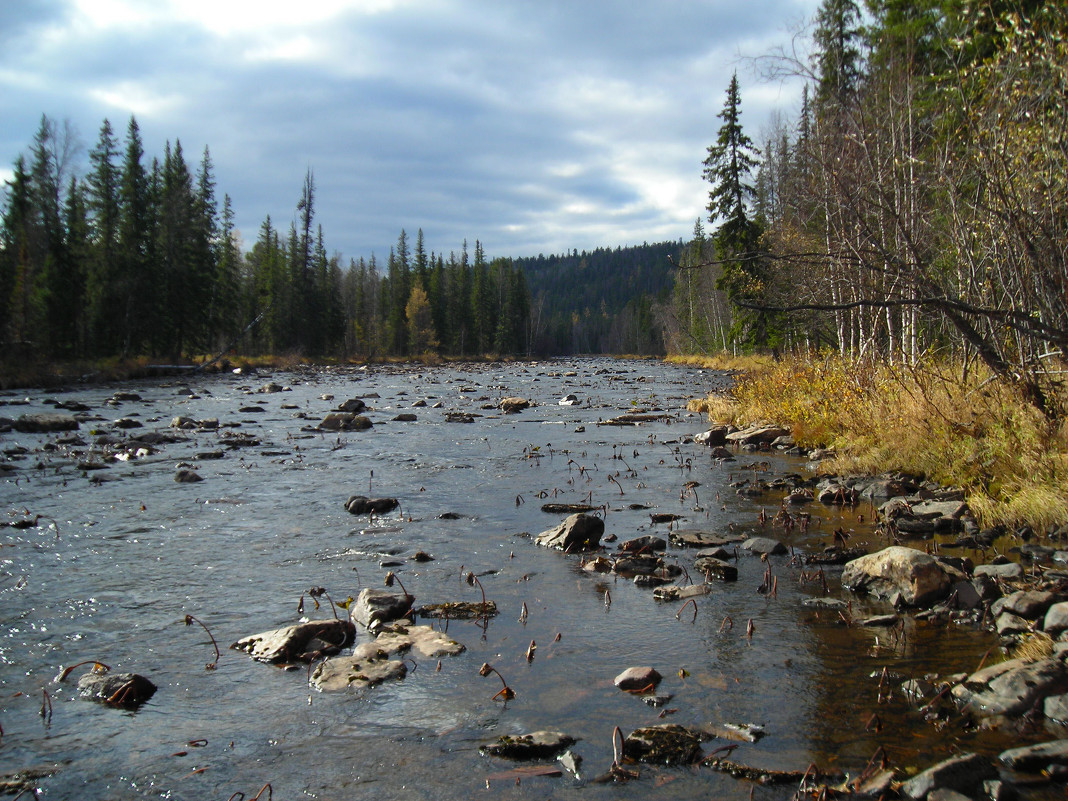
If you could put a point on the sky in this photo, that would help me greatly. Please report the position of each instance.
(533, 127)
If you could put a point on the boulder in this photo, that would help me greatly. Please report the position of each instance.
(1028, 604)
(302, 642)
(920, 578)
(757, 435)
(126, 690)
(535, 745)
(1012, 687)
(362, 505)
(716, 435)
(647, 542)
(45, 422)
(373, 607)
(345, 421)
(1037, 757)
(692, 538)
(187, 477)
(964, 773)
(713, 568)
(1056, 619)
(764, 545)
(352, 406)
(513, 405)
(637, 678)
(579, 532)
(1009, 571)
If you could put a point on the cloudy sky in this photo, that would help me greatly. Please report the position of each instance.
(535, 127)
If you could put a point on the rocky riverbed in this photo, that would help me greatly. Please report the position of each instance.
(532, 578)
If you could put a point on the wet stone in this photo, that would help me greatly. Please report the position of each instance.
(373, 607)
(1010, 571)
(648, 542)
(45, 422)
(579, 532)
(964, 774)
(298, 643)
(637, 678)
(1034, 758)
(345, 421)
(1012, 687)
(764, 545)
(127, 690)
(187, 477)
(669, 744)
(692, 538)
(535, 745)
(362, 505)
(1028, 604)
(713, 568)
(1055, 707)
(681, 593)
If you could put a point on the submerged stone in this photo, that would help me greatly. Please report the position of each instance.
(669, 744)
(535, 745)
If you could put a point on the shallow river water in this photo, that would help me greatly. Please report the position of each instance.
(121, 555)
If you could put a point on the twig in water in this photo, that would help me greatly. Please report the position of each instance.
(678, 615)
(190, 620)
(506, 692)
(96, 665)
(46, 707)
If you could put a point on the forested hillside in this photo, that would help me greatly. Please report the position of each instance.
(604, 301)
(131, 256)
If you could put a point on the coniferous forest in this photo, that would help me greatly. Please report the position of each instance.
(140, 257)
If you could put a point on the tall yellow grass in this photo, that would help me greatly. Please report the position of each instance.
(959, 428)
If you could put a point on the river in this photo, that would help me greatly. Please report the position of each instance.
(122, 554)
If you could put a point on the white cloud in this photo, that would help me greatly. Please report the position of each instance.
(534, 128)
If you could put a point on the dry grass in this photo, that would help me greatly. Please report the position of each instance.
(1033, 647)
(960, 430)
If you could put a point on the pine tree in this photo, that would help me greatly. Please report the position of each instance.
(729, 168)
(838, 57)
(125, 309)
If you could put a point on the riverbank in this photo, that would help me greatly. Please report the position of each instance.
(956, 426)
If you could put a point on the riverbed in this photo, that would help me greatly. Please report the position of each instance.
(121, 553)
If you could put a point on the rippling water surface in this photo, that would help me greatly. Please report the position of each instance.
(137, 551)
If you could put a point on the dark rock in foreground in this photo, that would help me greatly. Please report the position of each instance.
(127, 690)
(669, 744)
(362, 505)
(536, 745)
